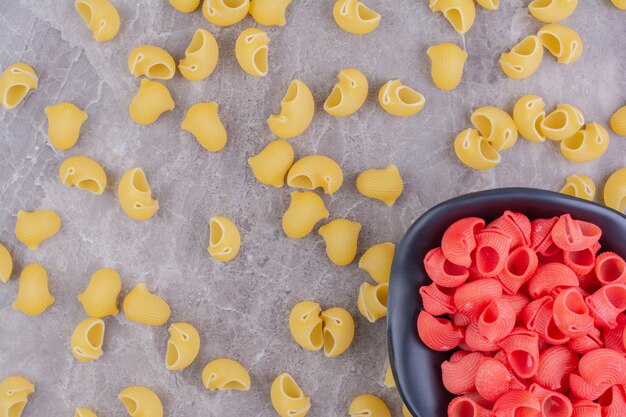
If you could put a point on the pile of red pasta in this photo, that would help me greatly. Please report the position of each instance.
(535, 314)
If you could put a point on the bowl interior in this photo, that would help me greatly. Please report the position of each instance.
(416, 368)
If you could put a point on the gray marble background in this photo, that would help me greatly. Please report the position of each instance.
(241, 308)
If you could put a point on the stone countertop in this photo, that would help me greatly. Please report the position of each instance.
(241, 308)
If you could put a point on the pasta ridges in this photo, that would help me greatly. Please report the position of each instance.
(385, 184)
(348, 95)
(305, 211)
(437, 333)
(182, 347)
(32, 228)
(528, 115)
(14, 393)
(399, 100)
(64, 123)
(571, 314)
(523, 59)
(377, 260)
(574, 235)
(552, 10)
(33, 296)
(101, 17)
(87, 340)
(563, 122)
(580, 186)
(341, 237)
(6, 264)
(618, 120)
(615, 191)
(610, 268)
(287, 397)
(459, 376)
(460, 14)
(586, 145)
(297, 108)
(465, 406)
(496, 126)
(225, 374)
(315, 171)
(372, 301)
(474, 150)
(152, 100)
(202, 120)
(367, 405)
(141, 401)
(144, 307)
(251, 51)
(84, 173)
(151, 61)
(272, 164)
(269, 12)
(15, 83)
(224, 239)
(225, 12)
(201, 56)
(459, 240)
(135, 195)
(355, 17)
(447, 63)
(562, 42)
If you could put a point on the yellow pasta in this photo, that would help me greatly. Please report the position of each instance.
(287, 397)
(355, 17)
(563, 122)
(523, 59)
(225, 374)
(372, 301)
(182, 347)
(151, 61)
(87, 340)
(142, 306)
(185, 6)
(152, 100)
(338, 331)
(406, 412)
(460, 13)
(586, 145)
(618, 121)
(33, 296)
(615, 191)
(101, 17)
(389, 381)
(399, 100)
(620, 4)
(367, 405)
(269, 12)
(135, 195)
(141, 402)
(34, 227)
(377, 260)
(489, 4)
(305, 210)
(64, 123)
(272, 164)
(225, 12)
(6, 264)
(348, 95)
(550, 11)
(341, 237)
(224, 239)
(315, 171)
(474, 150)
(580, 186)
(84, 412)
(100, 297)
(251, 51)
(200, 56)
(306, 325)
(381, 184)
(83, 173)
(203, 122)
(447, 63)
(496, 126)
(14, 392)
(296, 112)
(528, 115)
(562, 42)
(15, 83)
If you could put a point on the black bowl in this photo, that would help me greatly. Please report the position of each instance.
(417, 369)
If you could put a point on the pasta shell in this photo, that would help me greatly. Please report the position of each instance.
(447, 63)
(287, 397)
(269, 12)
(348, 95)
(84, 412)
(14, 392)
(203, 122)
(87, 340)
(83, 173)
(15, 83)
(523, 59)
(489, 4)
(474, 151)
(33, 296)
(381, 184)
(305, 210)
(225, 12)
(224, 240)
(251, 51)
(550, 11)
(355, 17)
(580, 186)
(618, 121)
(615, 191)
(201, 56)
(528, 115)
(135, 195)
(341, 238)
(152, 100)
(141, 401)
(64, 123)
(389, 381)
(272, 164)
(305, 325)
(315, 171)
(225, 374)
(101, 17)
(185, 6)
(460, 13)
(563, 122)
(399, 100)
(496, 126)
(182, 347)
(6, 264)
(377, 260)
(100, 297)
(620, 4)
(34, 227)
(586, 145)
(151, 61)
(338, 331)
(367, 405)
(562, 42)
(296, 112)
(142, 306)
(372, 301)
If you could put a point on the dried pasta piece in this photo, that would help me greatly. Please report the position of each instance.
(14, 392)
(496, 126)
(474, 341)
(341, 238)
(459, 373)
(492, 379)
(152, 100)
(224, 239)
(574, 235)
(522, 352)
(584, 390)
(152, 62)
(613, 401)
(466, 406)
(287, 397)
(618, 120)
(399, 100)
(523, 59)
(15, 83)
(64, 123)
(586, 408)
(553, 404)
(225, 12)
(581, 186)
(34, 227)
(135, 195)
(539, 317)
(442, 271)
(562, 42)
(516, 225)
(84, 412)
(521, 264)
(586, 145)
(338, 331)
(460, 13)
(100, 297)
(381, 184)
(497, 320)
(551, 277)
(603, 367)
(185, 6)
(270, 166)
(269, 12)
(251, 51)
(182, 347)
(590, 341)
(348, 95)
(583, 261)
(225, 374)
(141, 401)
(447, 63)
(492, 251)
(367, 405)
(620, 4)
(610, 268)
(474, 151)
(144, 307)
(83, 173)
(372, 301)
(473, 297)
(305, 210)
(528, 115)
(87, 340)
(389, 380)
(555, 365)
(550, 11)
(101, 17)
(563, 122)
(376, 261)
(438, 300)
(459, 240)
(203, 122)
(606, 304)
(571, 313)
(437, 333)
(6, 264)
(296, 112)
(489, 4)
(315, 171)
(306, 325)
(615, 191)
(200, 56)
(355, 17)
(33, 296)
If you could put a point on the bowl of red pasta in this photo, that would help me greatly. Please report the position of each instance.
(511, 302)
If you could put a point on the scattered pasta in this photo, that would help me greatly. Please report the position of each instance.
(33, 296)
(528, 115)
(372, 301)
(135, 195)
(152, 100)
(15, 83)
(562, 42)
(224, 239)
(272, 164)
(447, 63)
(84, 412)
(87, 340)
(182, 347)
(620, 4)
(367, 405)
(251, 51)
(225, 12)
(460, 13)
(296, 112)
(381, 184)
(315, 171)
(550, 11)
(563, 122)
(618, 121)
(523, 59)
(203, 122)
(269, 12)
(225, 374)
(100, 297)
(185, 6)
(306, 325)
(6, 264)
(580, 186)
(144, 307)
(287, 397)
(83, 173)
(64, 123)
(615, 191)
(14, 392)
(341, 238)
(377, 260)
(355, 17)
(101, 17)
(200, 56)
(399, 100)
(305, 211)
(338, 331)
(474, 150)
(389, 381)
(34, 227)
(348, 95)
(152, 62)
(489, 4)
(496, 126)
(587, 144)
(141, 401)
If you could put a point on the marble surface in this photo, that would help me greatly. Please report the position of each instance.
(241, 308)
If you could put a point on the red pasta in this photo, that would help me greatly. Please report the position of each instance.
(589, 282)
(610, 268)
(472, 298)
(515, 225)
(437, 300)
(539, 317)
(442, 271)
(437, 333)
(493, 379)
(571, 314)
(624, 338)
(583, 390)
(460, 319)
(522, 351)
(477, 342)
(590, 341)
(583, 261)
(555, 365)
(549, 277)
(574, 235)
(467, 407)
(614, 338)
(459, 375)
(497, 320)
(516, 403)
(553, 404)
(492, 251)
(459, 240)
(540, 235)
(518, 302)
(603, 367)
(613, 402)
(606, 304)
(521, 264)
(586, 408)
